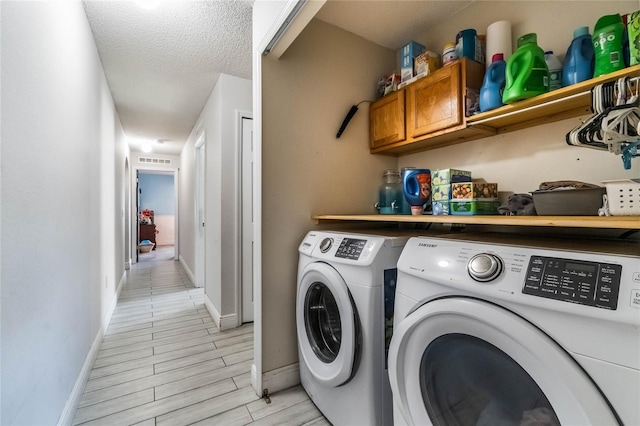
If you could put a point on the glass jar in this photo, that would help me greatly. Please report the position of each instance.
(390, 194)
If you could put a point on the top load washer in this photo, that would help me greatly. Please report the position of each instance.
(344, 312)
(505, 331)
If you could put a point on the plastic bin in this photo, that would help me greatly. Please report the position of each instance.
(568, 202)
(623, 197)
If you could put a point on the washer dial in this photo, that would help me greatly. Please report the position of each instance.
(485, 267)
(326, 244)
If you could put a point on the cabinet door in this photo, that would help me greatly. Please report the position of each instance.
(435, 102)
(386, 117)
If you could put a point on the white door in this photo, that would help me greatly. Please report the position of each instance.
(325, 320)
(464, 361)
(200, 211)
(247, 219)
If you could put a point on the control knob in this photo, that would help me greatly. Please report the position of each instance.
(485, 267)
(326, 244)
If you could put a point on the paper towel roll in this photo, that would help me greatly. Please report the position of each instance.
(498, 40)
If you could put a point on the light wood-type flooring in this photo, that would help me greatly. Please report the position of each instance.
(164, 362)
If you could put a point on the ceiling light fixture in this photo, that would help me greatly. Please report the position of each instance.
(147, 4)
(146, 147)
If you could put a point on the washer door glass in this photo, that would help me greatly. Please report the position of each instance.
(467, 381)
(459, 361)
(322, 322)
(327, 325)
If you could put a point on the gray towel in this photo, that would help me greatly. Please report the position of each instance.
(518, 205)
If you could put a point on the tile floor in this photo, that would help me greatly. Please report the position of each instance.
(164, 362)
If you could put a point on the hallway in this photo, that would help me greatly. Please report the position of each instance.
(164, 362)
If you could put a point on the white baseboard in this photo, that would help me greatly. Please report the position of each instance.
(127, 265)
(223, 322)
(69, 410)
(215, 315)
(254, 380)
(228, 321)
(188, 271)
(281, 378)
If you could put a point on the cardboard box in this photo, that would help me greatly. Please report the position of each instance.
(448, 176)
(469, 190)
(471, 207)
(426, 63)
(440, 208)
(406, 56)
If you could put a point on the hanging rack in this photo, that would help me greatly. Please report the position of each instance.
(615, 125)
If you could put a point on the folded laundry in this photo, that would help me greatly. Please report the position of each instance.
(566, 184)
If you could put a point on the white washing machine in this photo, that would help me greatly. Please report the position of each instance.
(507, 331)
(342, 318)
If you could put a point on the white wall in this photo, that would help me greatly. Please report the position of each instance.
(61, 141)
(218, 120)
(521, 160)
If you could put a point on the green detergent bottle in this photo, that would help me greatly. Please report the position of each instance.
(527, 74)
(607, 43)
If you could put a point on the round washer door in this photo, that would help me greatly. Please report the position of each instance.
(461, 361)
(325, 319)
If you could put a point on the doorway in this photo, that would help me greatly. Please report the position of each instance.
(157, 208)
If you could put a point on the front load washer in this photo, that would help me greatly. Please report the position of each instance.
(511, 331)
(344, 309)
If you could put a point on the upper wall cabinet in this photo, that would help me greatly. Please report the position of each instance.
(428, 113)
(387, 120)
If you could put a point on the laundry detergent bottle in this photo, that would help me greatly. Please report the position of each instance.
(555, 70)
(493, 84)
(416, 185)
(580, 57)
(527, 74)
(608, 44)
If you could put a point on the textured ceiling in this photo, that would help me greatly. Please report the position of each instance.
(162, 63)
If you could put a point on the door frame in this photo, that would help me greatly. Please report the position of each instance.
(172, 170)
(200, 188)
(240, 228)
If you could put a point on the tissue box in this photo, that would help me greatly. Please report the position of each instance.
(441, 192)
(472, 207)
(448, 176)
(440, 208)
(469, 190)
(406, 56)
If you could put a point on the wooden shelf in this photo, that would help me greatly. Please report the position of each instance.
(567, 102)
(610, 222)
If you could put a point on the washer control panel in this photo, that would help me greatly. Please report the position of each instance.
(351, 248)
(586, 283)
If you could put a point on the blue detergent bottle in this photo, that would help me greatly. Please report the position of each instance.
(416, 185)
(493, 84)
(580, 58)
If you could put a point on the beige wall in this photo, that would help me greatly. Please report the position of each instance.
(307, 93)
(306, 170)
